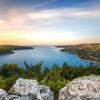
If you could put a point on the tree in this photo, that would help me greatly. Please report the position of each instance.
(9, 69)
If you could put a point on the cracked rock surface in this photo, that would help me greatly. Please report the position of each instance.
(27, 89)
(84, 88)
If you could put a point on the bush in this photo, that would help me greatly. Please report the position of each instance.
(3, 84)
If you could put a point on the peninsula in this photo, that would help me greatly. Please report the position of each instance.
(5, 49)
(84, 51)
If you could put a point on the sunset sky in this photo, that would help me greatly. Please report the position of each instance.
(49, 22)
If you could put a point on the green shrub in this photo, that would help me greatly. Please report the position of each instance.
(3, 84)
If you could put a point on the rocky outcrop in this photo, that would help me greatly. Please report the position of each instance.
(45, 92)
(85, 88)
(25, 89)
(3, 94)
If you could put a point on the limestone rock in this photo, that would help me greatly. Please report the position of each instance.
(27, 89)
(3, 95)
(46, 93)
(85, 88)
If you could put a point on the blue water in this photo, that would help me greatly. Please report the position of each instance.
(49, 54)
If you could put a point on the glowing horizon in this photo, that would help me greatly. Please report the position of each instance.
(49, 22)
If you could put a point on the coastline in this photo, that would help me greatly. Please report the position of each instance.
(7, 53)
(88, 60)
(80, 57)
(13, 51)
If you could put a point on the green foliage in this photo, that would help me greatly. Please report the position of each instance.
(10, 81)
(9, 70)
(33, 71)
(3, 84)
(55, 83)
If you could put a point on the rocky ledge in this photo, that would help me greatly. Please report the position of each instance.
(85, 88)
(25, 89)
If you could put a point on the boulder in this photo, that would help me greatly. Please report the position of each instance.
(27, 89)
(46, 93)
(84, 88)
(3, 94)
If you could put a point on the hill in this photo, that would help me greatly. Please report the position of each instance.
(85, 51)
(4, 49)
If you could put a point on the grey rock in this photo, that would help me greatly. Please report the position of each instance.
(84, 88)
(3, 94)
(27, 89)
(46, 93)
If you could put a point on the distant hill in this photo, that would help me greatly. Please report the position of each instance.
(85, 51)
(4, 49)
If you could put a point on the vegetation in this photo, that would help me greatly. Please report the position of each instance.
(85, 51)
(9, 48)
(55, 77)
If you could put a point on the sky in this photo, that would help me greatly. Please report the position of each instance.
(49, 22)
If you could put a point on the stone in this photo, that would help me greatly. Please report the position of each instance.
(46, 93)
(84, 88)
(27, 89)
(3, 94)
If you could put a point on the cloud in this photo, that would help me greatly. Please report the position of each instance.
(39, 25)
(18, 17)
(65, 12)
(21, 19)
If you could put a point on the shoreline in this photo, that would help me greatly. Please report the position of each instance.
(79, 56)
(88, 60)
(13, 51)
